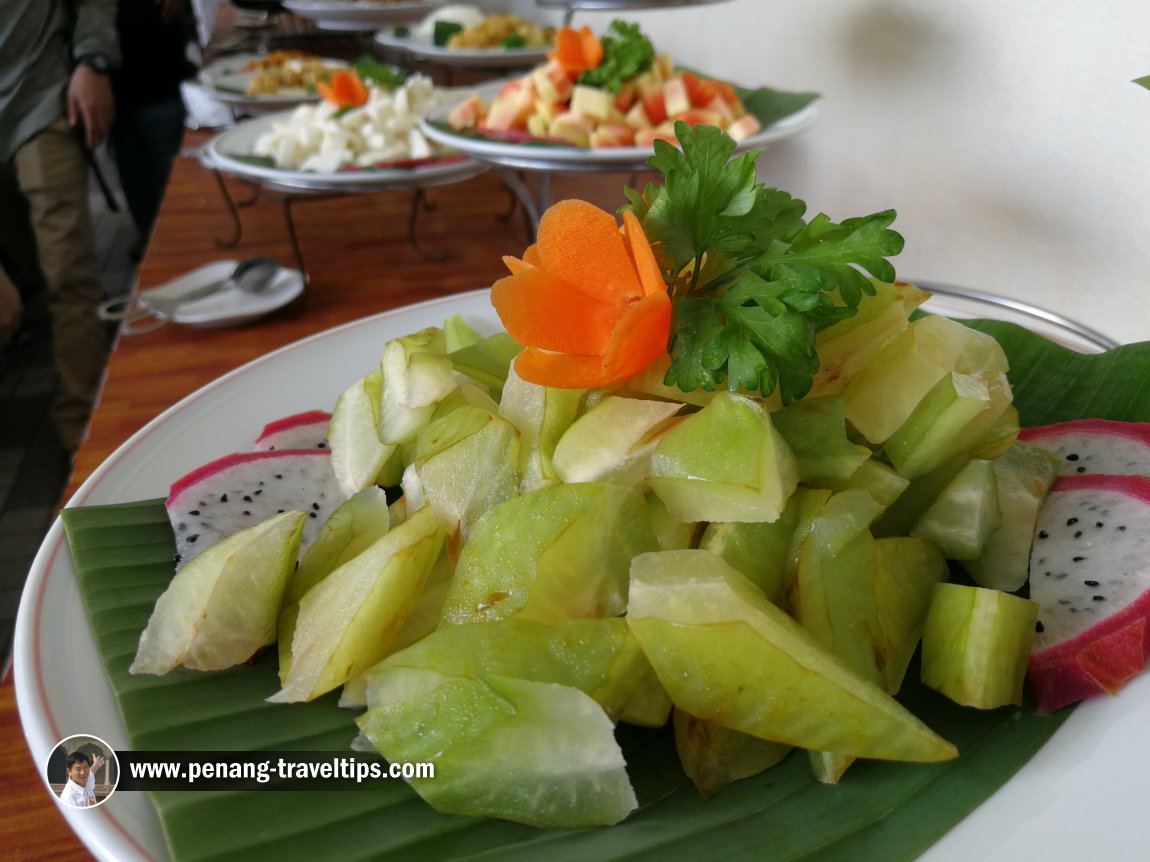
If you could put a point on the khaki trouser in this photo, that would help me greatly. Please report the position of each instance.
(53, 175)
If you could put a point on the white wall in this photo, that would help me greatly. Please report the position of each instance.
(1006, 133)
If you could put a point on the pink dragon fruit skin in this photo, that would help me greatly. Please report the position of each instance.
(1089, 446)
(306, 430)
(1090, 574)
(243, 489)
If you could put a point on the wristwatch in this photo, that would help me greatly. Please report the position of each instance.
(96, 62)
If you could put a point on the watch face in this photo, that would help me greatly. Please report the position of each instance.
(95, 62)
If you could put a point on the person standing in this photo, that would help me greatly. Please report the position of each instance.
(149, 127)
(56, 100)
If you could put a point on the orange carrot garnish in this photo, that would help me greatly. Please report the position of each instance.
(577, 51)
(345, 90)
(588, 300)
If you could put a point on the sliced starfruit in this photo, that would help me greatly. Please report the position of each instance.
(417, 375)
(976, 644)
(541, 414)
(714, 756)
(726, 654)
(815, 430)
(726, 462)
(965, 515)
(554, 554)
(222, 606)
(532, 752)
(358, 456)
(348, 620)
(613, 441)
(1024, 476)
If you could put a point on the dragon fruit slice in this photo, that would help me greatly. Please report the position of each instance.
(1090, 575)
(241, 490)
(1089, 446)
(298, 431)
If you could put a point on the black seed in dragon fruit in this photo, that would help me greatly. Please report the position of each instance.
(306, 430)
(241, 490)
(1095, 446)
(1090, 575)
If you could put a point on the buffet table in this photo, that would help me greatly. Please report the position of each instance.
(360, 263)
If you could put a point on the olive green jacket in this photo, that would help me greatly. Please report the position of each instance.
(39, 43)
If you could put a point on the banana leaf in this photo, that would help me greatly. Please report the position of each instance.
(880, 811)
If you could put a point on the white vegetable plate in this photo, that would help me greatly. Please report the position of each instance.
(226, 151)
(558, 157)
(424, 48)
(358, 14)
(1080, 797)
(226, 81)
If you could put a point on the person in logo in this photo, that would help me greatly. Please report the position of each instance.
(80, 791)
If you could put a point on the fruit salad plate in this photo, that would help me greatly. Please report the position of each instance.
(1075, 798)
(423, 47)
(359, 14)
(528, 153)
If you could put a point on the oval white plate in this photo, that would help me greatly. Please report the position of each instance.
(425, 48)
(228, 307)
(226, 81)
(1080, 797)
(435, 126)
(226, 149)
(358, 14)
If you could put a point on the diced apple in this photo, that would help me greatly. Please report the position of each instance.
(466, 114)
(637, 117)
(592, 102)
(510, 112)
(538, 126)
(697, 117)
(744, 127)
(551, 83)
(572, 127)
(675, 97)
(647, 137)
(613, 135)
(626, 97)
(655, 106)
(720, 107)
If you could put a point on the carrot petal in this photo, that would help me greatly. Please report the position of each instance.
(580, 245)
(642, 256)
(559, 370)
(639, 338)
(540, 310)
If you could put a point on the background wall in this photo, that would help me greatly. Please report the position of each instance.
(1007, 135)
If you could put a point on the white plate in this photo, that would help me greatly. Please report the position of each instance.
(225, 150)
(1082, 796)
(226, 81)
(556, 157)
(358, 14)
(424, 48)
(228, 307)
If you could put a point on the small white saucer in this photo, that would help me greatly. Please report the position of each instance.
(228, 307)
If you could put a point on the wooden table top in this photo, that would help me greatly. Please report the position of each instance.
(360, 263)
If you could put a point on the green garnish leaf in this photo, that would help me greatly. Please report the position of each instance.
(626, 53)
(444, 30)
(370, 69)
(514, 40)
(751, 280)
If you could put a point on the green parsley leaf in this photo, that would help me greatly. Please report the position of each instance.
(370, 69)
(752, 281)
(626, 53)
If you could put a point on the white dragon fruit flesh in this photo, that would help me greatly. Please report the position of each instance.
(1095, 446)
(241, 490)
(1090, 575)
(299, 431)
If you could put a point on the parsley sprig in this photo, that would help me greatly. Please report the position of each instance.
(751, 280)
(626, 53)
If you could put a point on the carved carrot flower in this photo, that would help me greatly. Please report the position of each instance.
(577, 51)
(588, 300)
(345, 90)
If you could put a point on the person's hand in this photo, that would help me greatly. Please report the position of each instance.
(90, 102)
(11, 308)
(97, 762)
